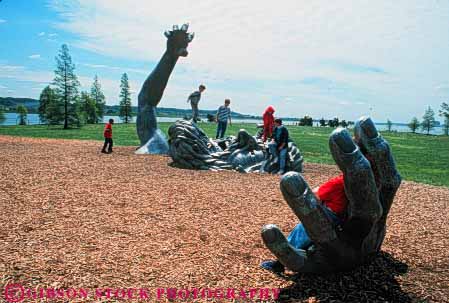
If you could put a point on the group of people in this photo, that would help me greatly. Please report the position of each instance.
(330, 194)
(273, 129)
(222, 116)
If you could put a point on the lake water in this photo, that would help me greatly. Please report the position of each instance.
(33, 119)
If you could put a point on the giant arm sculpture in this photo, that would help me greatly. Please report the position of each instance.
(362, 234)
(153, 88)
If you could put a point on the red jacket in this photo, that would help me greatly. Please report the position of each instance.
(108, 130)
(332, 194)
(268, 122)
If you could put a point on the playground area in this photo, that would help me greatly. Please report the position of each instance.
(75, 218)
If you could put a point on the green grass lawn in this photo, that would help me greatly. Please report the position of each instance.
(419, 158)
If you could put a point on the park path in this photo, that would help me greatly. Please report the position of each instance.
(73, 217)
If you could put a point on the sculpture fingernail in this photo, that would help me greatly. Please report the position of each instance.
(343, 140)
(369, 128)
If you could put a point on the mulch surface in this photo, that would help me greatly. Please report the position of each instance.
(72, 217)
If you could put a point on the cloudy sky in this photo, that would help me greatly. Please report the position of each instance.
(341, 58)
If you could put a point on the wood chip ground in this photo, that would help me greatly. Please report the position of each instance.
(72, 217)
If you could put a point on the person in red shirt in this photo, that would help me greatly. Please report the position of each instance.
(333, 197)
(268, 123)
(108, 137)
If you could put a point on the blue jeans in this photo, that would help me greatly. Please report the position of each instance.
(221, 129)
(298, 237)
(194, 111)
(272, 146)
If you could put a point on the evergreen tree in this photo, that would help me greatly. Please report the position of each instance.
(2, 114)
(444, 111)
(414, 124)
(97, 95)
(306, 121)
(22, 112)
(334, 122)
(48, 99)
(322, 122)
(389, 125)
(428, 120)
(67, 85)
(446, 126)
(125, 100)
(89, 108)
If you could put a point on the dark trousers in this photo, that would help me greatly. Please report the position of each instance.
(221, 129)
(106, 142)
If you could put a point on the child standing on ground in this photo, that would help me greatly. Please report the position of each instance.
(108, 137)
(222, 117)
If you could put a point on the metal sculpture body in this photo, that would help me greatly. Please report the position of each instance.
(370, 187)
(153, 88)
(191, 148)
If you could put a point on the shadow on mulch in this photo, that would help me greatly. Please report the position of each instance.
(374, 282)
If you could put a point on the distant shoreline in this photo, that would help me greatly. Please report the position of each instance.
(33, 119)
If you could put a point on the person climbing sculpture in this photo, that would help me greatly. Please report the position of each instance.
(278, 147)
(268, 123)
(153, 88)
(370, 184)
(194, 99)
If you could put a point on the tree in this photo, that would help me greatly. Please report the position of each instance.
(67, 85)
(446, 126)
(389, 125)
(322, 122)
(444, 111)
(88, 108)
(97, 95)
(343, 123)
(334, 122)
(125, 100)
(428, 122)
(306, 121)
(22, 112)
(50, 109)
(413, 124)
(2, 114)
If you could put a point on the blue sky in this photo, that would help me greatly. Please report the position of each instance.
(345, 58)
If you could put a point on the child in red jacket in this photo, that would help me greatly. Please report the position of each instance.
(268, 123)
(333, 197)
(108, 137)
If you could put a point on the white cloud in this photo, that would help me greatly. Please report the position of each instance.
(10, 68)
(391, 54)
(35, 56)
(52, 35)
(116, 68)
(2, 21)
(41, 34)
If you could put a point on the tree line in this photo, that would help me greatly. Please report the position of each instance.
(427, 124)
(61, 102)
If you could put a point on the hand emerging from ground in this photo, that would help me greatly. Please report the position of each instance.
(371, 181)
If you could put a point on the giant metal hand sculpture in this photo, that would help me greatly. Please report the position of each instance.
(370, 186)
(153, 88)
